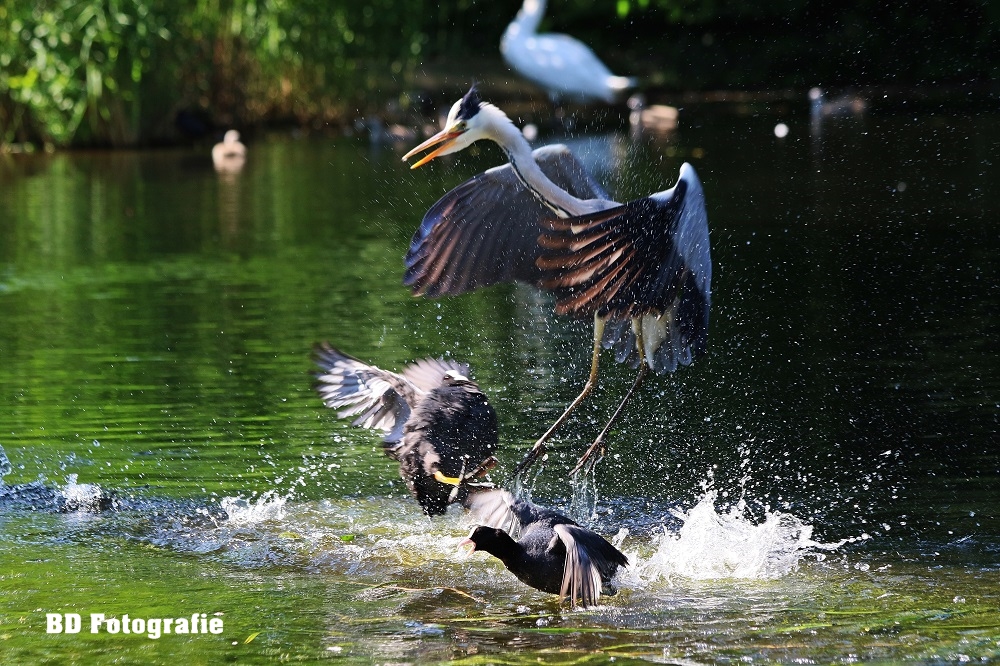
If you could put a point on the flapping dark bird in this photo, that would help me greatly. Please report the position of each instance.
(544, 548)
(438, 424)
(564, 66)
(641, 269)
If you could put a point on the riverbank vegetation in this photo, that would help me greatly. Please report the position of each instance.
(140, 72)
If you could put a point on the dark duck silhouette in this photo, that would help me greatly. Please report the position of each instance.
(439, 425)
(543, 548)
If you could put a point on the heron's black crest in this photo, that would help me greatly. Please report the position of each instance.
(470, 104)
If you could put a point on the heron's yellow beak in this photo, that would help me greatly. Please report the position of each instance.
(445, 137)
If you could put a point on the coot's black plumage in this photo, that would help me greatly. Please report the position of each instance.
(438, 423)
(544, 548)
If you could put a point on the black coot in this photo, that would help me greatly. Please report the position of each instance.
(544, 548)
(438, 424)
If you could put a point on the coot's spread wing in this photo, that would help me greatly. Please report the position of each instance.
(426, 374)
(493, 508)
(589, 560)
(581, 579)
(381, 400)
(485, 230)
(648, 257)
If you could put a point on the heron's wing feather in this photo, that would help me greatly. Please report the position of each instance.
(379, 399)
(647, 258)
(428, 373)
(485, 230)
(563, 168)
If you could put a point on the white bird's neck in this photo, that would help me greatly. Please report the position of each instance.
(518, 150)
(530, 15)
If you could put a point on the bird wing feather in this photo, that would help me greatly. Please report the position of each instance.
(485, 230)
(581, 579)
(381, 400)
(494, 508)
(649, 257)
(428, 373)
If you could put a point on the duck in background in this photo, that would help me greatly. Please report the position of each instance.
(229, 155)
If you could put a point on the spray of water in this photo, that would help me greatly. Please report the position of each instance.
(241, 511)
(719, 545)
(81, 496)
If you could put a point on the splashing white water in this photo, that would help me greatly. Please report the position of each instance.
(712, 545)
(241, 511)
(80, 496)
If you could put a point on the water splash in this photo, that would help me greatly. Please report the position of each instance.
(712, 545)
(81, 496)
(241, 511)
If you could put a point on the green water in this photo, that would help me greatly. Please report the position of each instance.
(156, 325)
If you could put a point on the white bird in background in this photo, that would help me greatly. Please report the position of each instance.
(229, 155)
(564, 66)
(641, 269)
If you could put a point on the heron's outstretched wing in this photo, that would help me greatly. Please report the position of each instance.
(427, 373)
(485, 230)
(648, 258)
(589, 558)
(381, 399)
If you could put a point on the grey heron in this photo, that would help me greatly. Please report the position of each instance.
(439, 425)
(641, 269)
(562, 65)
(544, 548)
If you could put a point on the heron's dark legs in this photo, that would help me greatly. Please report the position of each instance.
(643, 369)
(539, 448)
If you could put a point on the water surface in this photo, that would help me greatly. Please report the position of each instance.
(155, 397)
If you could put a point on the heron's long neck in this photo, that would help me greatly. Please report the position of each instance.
(561, 202)
(530, 15)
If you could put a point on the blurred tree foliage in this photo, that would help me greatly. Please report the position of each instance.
(118, 72)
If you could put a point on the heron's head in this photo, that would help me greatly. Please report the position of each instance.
(465, 125)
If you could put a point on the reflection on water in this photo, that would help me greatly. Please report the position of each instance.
(822, 486)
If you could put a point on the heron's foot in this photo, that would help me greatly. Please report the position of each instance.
(588, 460)
(536, 452)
